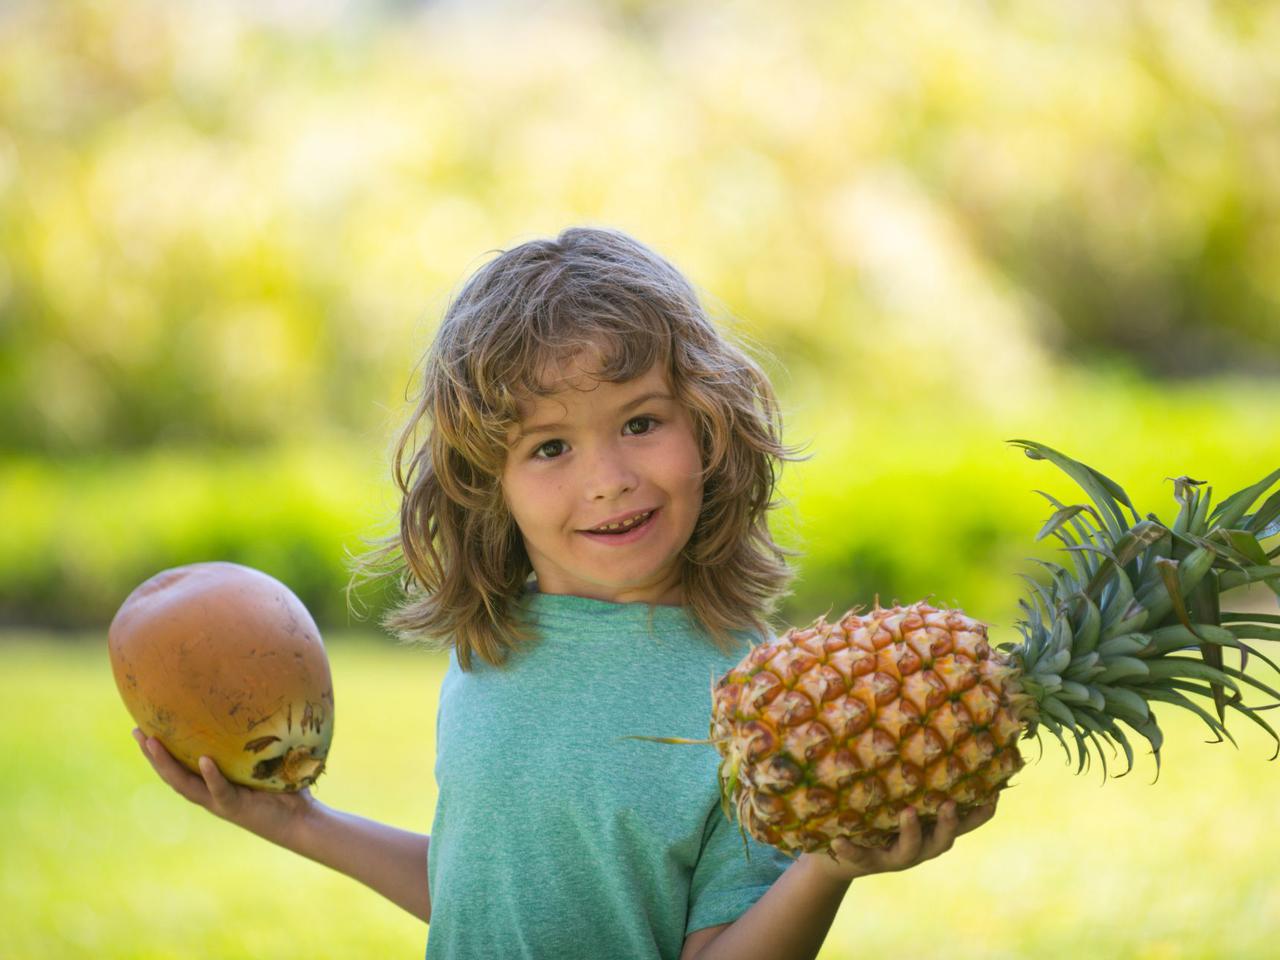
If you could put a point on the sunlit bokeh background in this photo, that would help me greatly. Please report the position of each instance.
(227, 231)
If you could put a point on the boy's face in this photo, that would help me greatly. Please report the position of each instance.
(605, 454)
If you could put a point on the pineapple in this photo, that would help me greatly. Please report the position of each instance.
(831, 730)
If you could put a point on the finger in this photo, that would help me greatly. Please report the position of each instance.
(847, 851)
(141, 739)
(222, 790)
(943, 834)
(907, 849)
(177, 776)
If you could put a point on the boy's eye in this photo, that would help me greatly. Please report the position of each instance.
(543, 446)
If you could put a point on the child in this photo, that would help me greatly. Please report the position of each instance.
(585, 528)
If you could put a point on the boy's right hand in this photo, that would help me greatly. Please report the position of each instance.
(392, 861)
(272, 816)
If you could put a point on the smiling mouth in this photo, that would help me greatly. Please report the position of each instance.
(625, 525)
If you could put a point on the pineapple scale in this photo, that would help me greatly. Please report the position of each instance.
(832, 730)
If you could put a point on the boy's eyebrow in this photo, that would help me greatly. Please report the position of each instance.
(553, 427)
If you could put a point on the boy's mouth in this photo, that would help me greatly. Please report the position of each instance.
(623, 527)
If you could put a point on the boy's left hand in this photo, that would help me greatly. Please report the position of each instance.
(915, 844)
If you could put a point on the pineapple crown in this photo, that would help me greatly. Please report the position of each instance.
(1136, 618)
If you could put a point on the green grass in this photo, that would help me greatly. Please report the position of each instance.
(101, 860)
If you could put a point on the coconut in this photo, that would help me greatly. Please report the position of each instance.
(222, 660)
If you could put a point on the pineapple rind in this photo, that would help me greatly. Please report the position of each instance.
(833, 729)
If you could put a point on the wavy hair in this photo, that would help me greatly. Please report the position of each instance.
(459, 557)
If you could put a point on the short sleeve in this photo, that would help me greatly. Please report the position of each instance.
(730, 876)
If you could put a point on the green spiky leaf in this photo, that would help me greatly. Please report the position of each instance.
(1231, 510)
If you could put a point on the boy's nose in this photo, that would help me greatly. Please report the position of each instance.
(611, 488)
(610, 477)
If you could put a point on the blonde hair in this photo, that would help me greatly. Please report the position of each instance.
(459, 556)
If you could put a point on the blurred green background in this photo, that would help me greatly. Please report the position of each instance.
(228, 230)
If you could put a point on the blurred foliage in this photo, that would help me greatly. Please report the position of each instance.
(224, 223)
(79, 536)
(227, 230)
(899, 501)
(906, 496)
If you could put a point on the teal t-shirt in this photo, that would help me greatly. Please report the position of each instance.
(553, 837)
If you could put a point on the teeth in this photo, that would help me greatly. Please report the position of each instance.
(623, 525)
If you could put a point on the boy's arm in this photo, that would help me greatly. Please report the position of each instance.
(792, 919)
(388, 860)
(391, 861)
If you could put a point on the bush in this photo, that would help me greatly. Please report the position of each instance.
(80, 535)
(886, 505)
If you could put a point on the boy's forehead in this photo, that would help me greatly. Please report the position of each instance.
(580, 374)
(579, 371)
